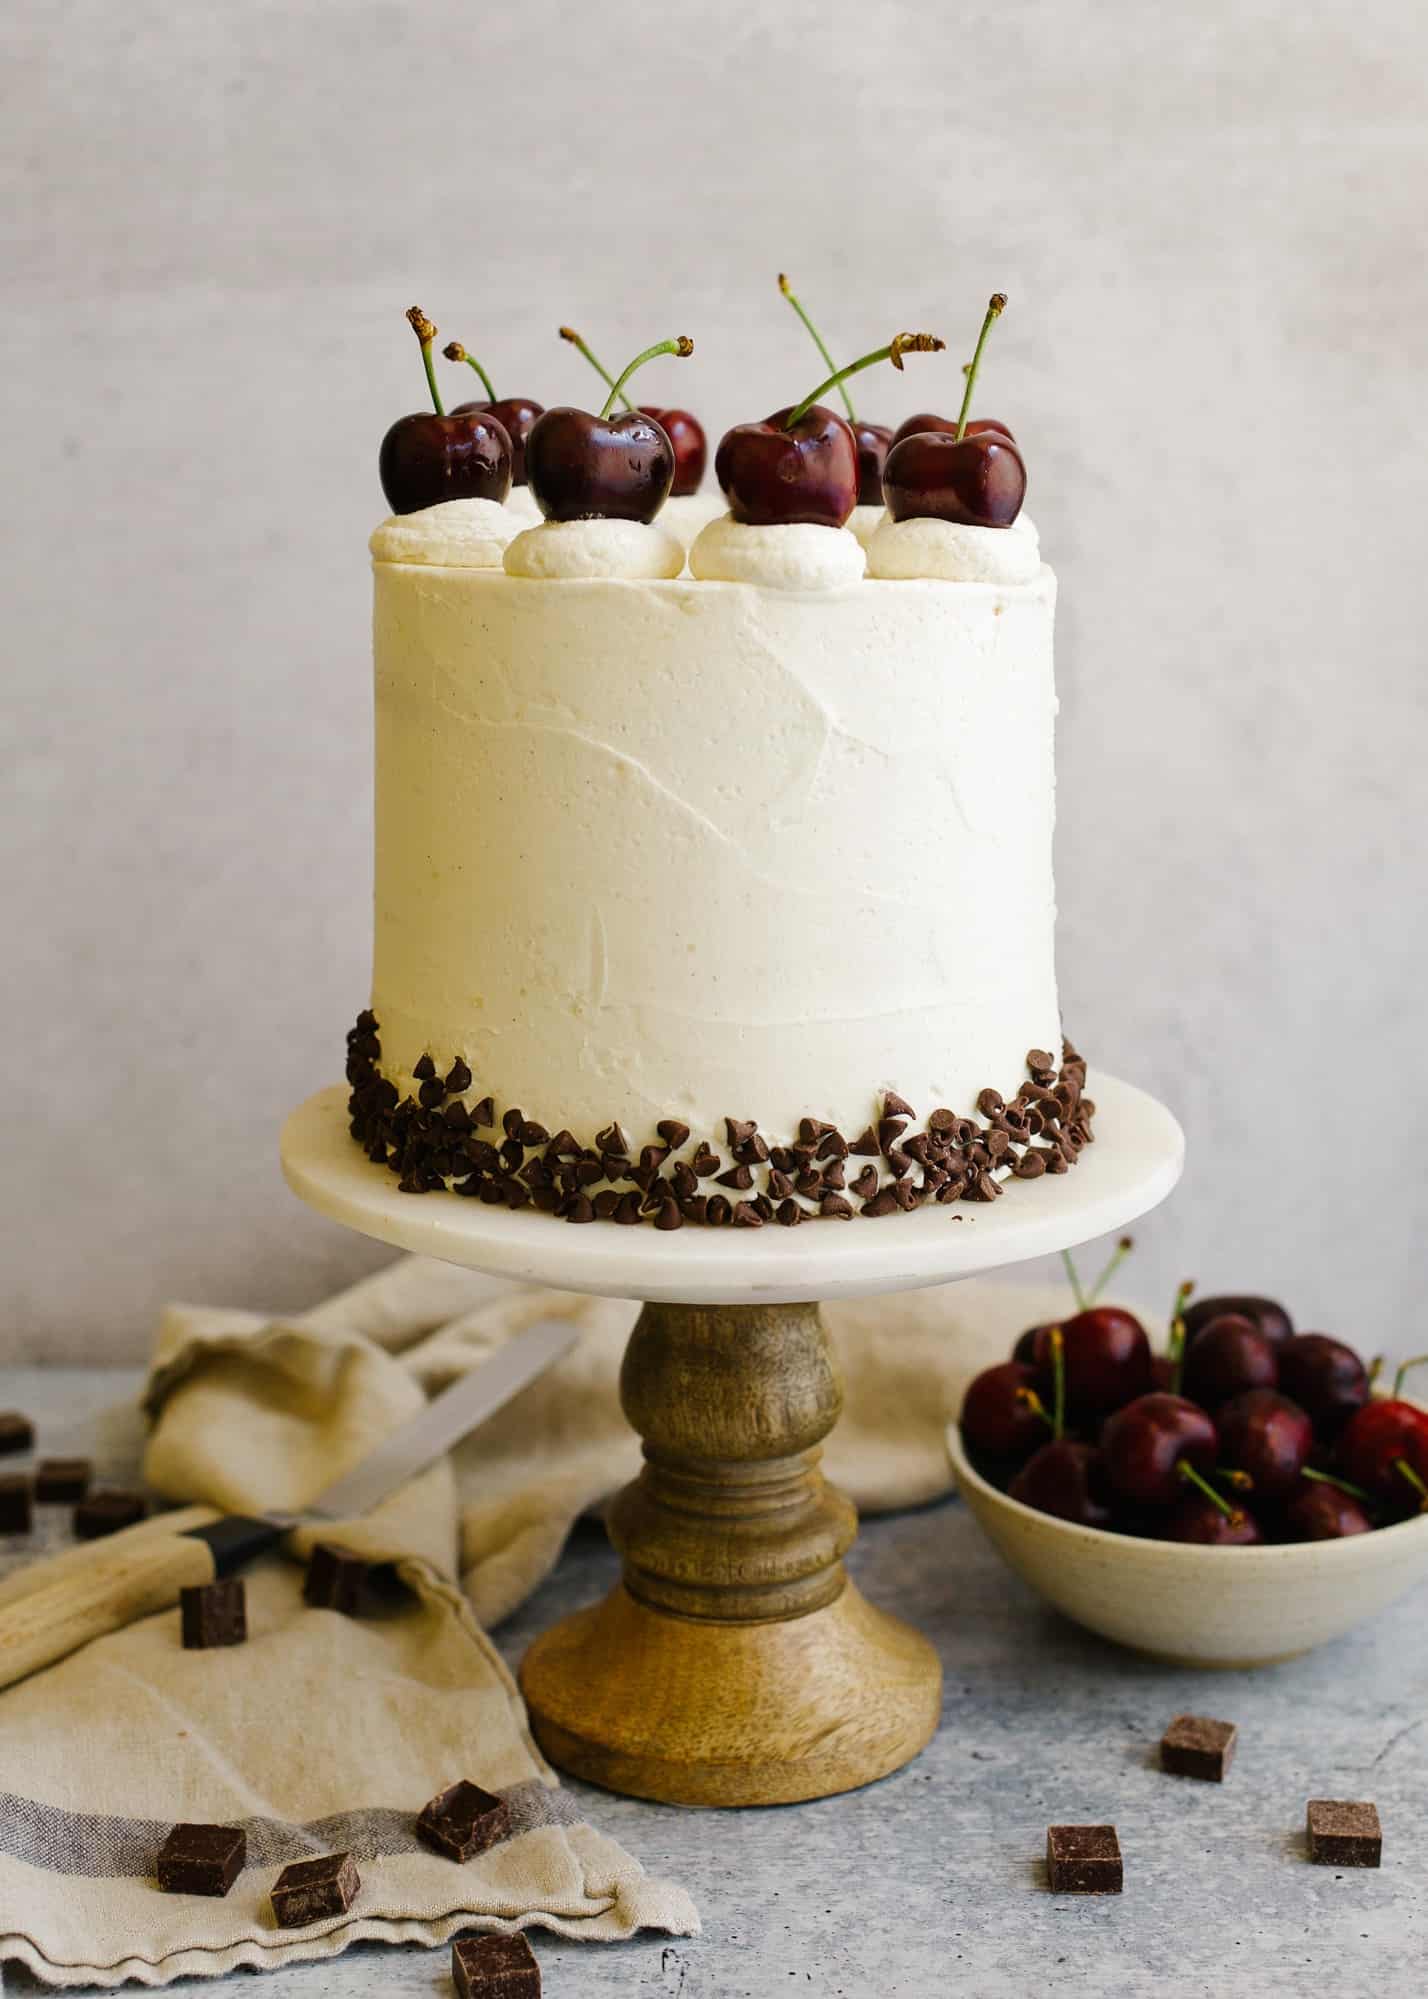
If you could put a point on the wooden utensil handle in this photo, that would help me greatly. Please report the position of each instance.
(137, 1573)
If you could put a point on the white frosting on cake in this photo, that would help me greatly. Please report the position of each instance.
(948, 552)
(678, 850)
(793, 555)
(865, 521)
(457, 534)
(566, 550)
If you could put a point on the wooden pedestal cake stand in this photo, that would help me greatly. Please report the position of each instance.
(736, 1664)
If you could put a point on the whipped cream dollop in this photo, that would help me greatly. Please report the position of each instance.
(949, 552)
(521, 501)
(864, 522)
(685, 514)
(454, 534)
(791, 555)
(626, 551)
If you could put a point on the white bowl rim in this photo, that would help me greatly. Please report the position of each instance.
(1348, 1548)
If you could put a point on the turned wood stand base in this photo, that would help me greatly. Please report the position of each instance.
(735, 1664)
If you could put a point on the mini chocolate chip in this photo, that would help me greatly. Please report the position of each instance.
(1037, 1058)
(789, 1213)
(695, 1209)
(809, 1181)
(899, 1162)
(612, 1139)
(531, 1133)
(942, 1120)
(752, 1150)
(485, 1113)
(737, 1176)
(581, 1209)
(782, 1159)
(780, 1186)
(866, 1184)
(811, 1129)
(989, 1102)
(747, 1216)
(764, 1207)
(366, 1021)
(896, 1106)
(424, 1069)
(606, 1202)
(738, 1129)
(836, 1205)
(834, 1177)
(719, 1210)
(458, 1078)
(865, 1145)
(832, 1145)
(430, 1095)
(705, 1162)
(563, 1146)
(668, 1216)
(907, 1195)
(652, 1157)
(890, 1130)
(627, 1214)
(1030, 1166)
(456, 1117)
(686, 1182)
(673, 1133)
(883, 1203)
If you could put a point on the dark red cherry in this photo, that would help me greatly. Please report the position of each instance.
(584, 467)
(873, 441)
(1326, 1377)
(1230, 1356)
(426, 458)
(998, 1421)
(917, 426)
(771, 475)
(1069, 1480)
(1320, 1512)
(691, 446)
(1107, 1357)
(1198, 1519)
(515, 414)
(1267, 1436)
(1146, 1443)
(979, 482)
(1162, 1372)
(1267, 1313)
(1378, 1441)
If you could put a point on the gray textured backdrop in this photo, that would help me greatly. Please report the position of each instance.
(1211, 226)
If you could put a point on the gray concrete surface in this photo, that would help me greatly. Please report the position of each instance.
(932, 1881)
(1210, 223)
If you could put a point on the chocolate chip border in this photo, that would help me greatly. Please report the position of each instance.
(437, 1140)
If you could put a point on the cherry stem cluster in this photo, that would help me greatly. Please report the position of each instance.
(681, 345)
(582, 347)
(425, 332)
(817, 339)
(454, 351)
(996, 306)
(900, 344)
(1186, 1471)
(1340, 1484)
(1177, 1334)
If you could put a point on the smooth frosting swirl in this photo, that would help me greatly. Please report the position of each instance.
(792, 555)
(949, 552)
(626, 551)
(454, 534)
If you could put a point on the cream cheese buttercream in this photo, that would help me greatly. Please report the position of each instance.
(626, 551)
(793, 555)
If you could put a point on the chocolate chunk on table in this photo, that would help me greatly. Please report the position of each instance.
(1344, 1835)
(61, 1479)
(336, 1580)
(495, 1967)
(311, 1889)
(213, 1614)
(17, 1433)
(17, 1506)
(202, 1859)
(1083, 1860)
(104, 1513)
(463, 1820)
(1195, 1746)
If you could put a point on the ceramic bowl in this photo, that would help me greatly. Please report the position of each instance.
(1198, 1606)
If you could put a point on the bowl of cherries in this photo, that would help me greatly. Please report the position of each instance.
(1236, 1499)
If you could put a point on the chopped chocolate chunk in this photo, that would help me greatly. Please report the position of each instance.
(896, 1106)
(865, 1145)
(1344, 1835)
(747, 1216)
(737, 1176)
(17, 1433)
(463, 1820)
(309, 1890)
(202, 1859)
(102, 1513)
(58, 1480)
(1083, 1860)
(1195, 1746)
(424, 1069)
(336, 1580)
(673, 1133)
(458, 1078)
(498, 1966)
(17, 1506)
(213, 1614)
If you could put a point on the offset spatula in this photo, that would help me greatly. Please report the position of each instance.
(140, 1571)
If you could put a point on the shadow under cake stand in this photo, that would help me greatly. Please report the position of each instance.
(735, 1663)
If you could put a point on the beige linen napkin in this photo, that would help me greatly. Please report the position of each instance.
(326, 1732)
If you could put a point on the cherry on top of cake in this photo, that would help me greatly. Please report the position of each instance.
(516, 414)
(433, 456)
(800, 465)
(971, 473)
(684, 431)
(601, 466)
(873, 440)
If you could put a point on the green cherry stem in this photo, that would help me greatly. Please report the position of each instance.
(1340, 1484)
(1402, 1465)
(817, 339)
(426, 333)
(1056, 1340)
(454, 351)
(996, 306)
(1117, 1257)
(682, 346)
(1177, 1334)
(1073, 1278)
(581, 347)
(1416, 1360)
(1188, 1473)
(1029, 1399)
(900, 344)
